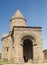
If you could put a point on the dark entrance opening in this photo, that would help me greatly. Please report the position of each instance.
(27, 50)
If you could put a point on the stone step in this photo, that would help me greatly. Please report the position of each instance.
(28, 64)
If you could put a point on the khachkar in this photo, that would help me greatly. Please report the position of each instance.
(23, 43)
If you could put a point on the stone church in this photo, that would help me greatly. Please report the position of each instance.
(23, 44)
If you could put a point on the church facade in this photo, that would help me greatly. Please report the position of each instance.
(23, 43)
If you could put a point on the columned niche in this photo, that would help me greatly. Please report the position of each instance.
(28, 43)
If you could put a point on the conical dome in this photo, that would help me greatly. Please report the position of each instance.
(17, 20)
(17, 15)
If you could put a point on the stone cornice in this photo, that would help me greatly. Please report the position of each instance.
(27, 27)
(17, 18)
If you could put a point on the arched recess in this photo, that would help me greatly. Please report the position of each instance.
(27, 44)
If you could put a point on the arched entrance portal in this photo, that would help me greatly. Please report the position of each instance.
(27, 50)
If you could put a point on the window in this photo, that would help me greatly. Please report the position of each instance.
(7, 49)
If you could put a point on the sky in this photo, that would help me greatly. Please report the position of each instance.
(35, 12)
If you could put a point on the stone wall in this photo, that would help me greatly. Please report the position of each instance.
(7, 47)
(19, 33)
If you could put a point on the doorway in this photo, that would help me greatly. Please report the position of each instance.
(27, 50)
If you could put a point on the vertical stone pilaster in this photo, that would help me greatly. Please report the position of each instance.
(16, 47)
(41, 55)
(18, 52)
(35, 55)
(16, 59)
(21, 53)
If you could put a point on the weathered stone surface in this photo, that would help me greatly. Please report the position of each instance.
(23, 44)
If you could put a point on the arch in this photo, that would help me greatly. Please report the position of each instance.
(32, 38)
(27, 44)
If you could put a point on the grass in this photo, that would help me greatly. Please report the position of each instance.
(4, 61)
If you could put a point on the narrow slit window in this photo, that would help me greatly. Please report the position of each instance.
(7, 49)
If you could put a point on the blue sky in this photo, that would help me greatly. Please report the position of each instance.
(35, 11)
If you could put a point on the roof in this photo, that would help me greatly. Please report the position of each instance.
(27, 27)
(17, 14)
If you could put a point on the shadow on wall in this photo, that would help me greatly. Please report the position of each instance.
(0, 55)
(45, 54)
